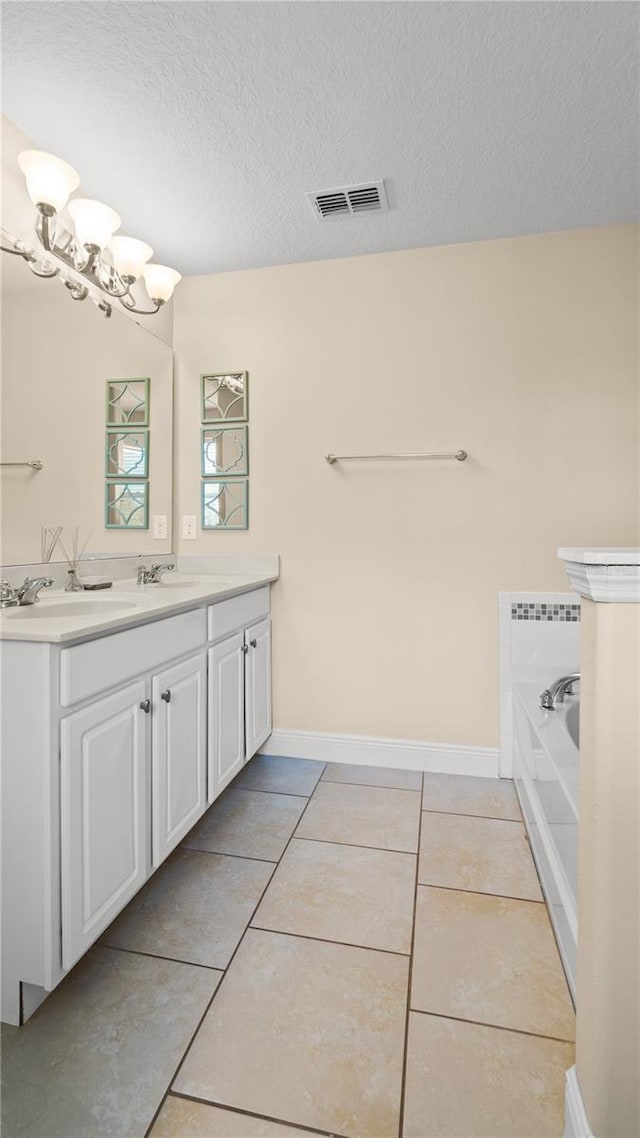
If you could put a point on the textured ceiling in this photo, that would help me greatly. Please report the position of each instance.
(205, 123)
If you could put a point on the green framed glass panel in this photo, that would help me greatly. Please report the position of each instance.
(127, 402)
(225, 397)
(225, 451)
(127, 505)
(225, 504)
(127, 454)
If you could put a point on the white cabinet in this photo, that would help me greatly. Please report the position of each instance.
(239, 701)
(113, 745)
(179, 752)
(226, 712)
(104, 815)
(257, 685)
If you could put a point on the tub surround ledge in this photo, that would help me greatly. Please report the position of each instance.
(610, 575)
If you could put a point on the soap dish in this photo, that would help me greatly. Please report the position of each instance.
(92, 583)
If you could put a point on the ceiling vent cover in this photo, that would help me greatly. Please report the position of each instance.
(345, 201)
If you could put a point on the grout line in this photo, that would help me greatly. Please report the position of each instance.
(218, 987)
(494, 1026)
(158, 956)
(252, 1114)
(375, 785)
(223, 853)
(327, 940)
(283, 793)
(352, 845)
(482, 893)
(462, 814)
(409, 983)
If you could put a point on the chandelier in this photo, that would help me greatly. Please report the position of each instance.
(85, 245)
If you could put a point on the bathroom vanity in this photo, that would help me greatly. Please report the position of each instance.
(123, 720)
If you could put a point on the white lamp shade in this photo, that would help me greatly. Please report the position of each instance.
(129, 255)
(49, 179)
(160, 281)
(94, 222)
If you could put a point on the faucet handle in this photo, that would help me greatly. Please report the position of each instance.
(8, 595)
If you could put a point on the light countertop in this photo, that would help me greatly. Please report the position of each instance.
(98, 612)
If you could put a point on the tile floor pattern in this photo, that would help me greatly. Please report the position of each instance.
(349, 951)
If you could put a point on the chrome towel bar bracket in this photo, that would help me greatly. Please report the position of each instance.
(34, 463)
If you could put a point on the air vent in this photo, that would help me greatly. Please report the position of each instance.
(345, 201)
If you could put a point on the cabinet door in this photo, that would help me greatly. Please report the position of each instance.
(226, 712)
(258, 685)
(104, 814)
(179, 753)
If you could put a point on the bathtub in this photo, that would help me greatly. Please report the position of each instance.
(546, 760)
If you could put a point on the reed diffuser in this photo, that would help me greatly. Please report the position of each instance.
(49, 536)
(74, 584)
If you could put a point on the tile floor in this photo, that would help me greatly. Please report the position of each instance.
(348, 951)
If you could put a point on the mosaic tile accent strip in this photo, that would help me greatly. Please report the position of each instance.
(537, 611)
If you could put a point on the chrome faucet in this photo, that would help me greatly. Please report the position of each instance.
(556, 693)
(25, 594)
(153, 575)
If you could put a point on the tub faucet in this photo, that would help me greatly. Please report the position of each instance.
(556, 693)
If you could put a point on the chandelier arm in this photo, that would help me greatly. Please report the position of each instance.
(139, 311)
(108, 286)
(44, 232)
(24, 253)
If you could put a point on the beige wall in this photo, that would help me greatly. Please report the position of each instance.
(608, 996)
(522, 351)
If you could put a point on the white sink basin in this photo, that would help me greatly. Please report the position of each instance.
(67, 609)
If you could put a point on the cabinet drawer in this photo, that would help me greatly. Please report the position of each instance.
(101, 664)
(229, 616)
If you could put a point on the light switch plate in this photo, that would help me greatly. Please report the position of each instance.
(160, 527)
(189, 527)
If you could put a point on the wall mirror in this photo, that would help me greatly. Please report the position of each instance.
(57, 356)
(225, 451)
(225, 504)
(127, 454)
(127, 402)
(127, 505)
(225, 397)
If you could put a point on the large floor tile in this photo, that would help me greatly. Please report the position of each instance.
(463, 794)
(373, 776)
(342, 893)
(279, 774)
(95, 1060)
(482, 1082)
(249, 824)
(184, 1118)
(307, 1032)
(195, 908)
(489, 959)
(363, 816)
(482, 854)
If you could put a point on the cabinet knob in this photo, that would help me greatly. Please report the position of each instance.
(145, 705)
(166, 696)
(244, 649)
(253, 643)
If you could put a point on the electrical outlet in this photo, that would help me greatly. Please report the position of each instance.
(160, 527)
(189, 527)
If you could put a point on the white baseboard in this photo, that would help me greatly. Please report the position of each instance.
(575, 1118)
(405, 754)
